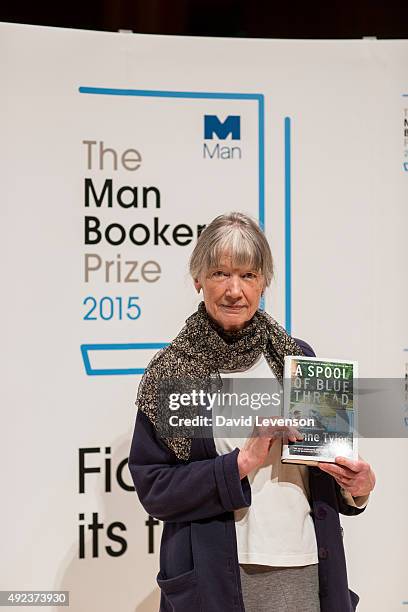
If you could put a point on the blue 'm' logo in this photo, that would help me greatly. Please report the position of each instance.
(222, 129)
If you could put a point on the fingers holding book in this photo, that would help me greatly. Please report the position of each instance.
(356, 477)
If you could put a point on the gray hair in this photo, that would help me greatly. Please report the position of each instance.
(239, 236)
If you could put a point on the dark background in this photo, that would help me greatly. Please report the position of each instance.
(243, 18)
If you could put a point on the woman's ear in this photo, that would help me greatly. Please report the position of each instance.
(197, 285)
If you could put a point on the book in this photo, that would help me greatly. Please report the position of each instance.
(320, 398)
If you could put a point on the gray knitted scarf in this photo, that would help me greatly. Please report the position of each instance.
(202, 349)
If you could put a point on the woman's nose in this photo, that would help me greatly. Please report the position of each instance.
(234, 288)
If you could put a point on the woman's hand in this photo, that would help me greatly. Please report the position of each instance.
(356, 477)
(256, 448)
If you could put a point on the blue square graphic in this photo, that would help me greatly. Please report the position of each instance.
(257, 98)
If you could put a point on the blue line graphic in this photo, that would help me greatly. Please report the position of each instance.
(261, 155)
(288, 225)
(261, 132)
(153, 93)
(115, 347)
(107, 91)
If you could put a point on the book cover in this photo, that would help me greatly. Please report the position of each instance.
(320, 399)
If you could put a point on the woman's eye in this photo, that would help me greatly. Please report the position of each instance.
(219, 273)
(250, 275)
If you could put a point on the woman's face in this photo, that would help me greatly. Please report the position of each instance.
(231, 294)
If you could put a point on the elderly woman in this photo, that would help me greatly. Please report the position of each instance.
(242, 531)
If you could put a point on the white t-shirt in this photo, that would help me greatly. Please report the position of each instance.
(277, 529)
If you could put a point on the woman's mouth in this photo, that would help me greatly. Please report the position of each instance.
(232, 308)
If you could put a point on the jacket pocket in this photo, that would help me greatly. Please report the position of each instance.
(181, 592)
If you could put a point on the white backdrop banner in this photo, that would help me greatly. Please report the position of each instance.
(117, 149)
